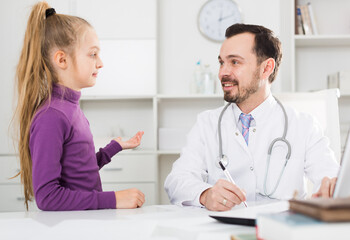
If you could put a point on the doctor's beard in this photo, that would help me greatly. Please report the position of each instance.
(242, 93)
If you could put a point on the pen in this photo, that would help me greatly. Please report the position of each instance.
(228, 176)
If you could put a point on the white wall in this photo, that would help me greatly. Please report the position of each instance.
(112, 23)
(13, 20)
(181, 45)
(127, 31)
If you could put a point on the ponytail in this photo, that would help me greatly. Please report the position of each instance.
(35, 74)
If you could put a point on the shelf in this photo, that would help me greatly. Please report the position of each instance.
(159, 152)
(193, 96)
(117, 97)
(9, 155)
(150, 97)
(322, 40)
(146, 152)
(138, 152)
(168, 152)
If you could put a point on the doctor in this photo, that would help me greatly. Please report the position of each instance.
(249, 61)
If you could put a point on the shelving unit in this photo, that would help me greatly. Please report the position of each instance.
(174, 112)
(160, 110)
(316, 56)
(153, 105)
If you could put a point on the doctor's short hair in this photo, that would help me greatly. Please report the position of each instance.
(266, 44)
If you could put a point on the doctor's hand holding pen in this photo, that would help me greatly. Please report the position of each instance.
(130, 198)
(132, 142)
(223, 196)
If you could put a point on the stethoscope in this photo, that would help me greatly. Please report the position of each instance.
(224, 158)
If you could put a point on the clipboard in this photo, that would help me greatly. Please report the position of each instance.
(236, 220)
(241, 215)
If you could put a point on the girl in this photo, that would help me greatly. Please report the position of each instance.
(60, 56)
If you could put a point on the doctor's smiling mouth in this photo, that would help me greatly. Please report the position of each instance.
(235, 94)
(228, 84)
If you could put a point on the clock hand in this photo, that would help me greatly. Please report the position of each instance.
(222, 18)
(220, 15)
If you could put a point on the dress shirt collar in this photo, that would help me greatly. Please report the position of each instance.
(259, 113)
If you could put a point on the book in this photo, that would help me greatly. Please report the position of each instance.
(339, 80)
(306, 19)
(299, 23)
(293, 226)
(295, 18)
(325, 209)
(333, 80)
(312, 19)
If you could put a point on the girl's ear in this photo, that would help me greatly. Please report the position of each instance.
(60, 59)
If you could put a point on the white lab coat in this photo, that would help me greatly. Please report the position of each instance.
(196, 171)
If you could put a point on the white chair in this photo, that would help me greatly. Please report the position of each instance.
(323, 105)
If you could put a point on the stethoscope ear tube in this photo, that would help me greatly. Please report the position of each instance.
(268, 164)
(282, 140)
(221, 156)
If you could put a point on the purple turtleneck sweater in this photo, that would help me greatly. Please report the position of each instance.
(65, 166)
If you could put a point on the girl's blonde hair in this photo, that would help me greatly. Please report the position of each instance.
(35, 74)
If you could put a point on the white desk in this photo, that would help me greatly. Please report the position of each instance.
(149, 222)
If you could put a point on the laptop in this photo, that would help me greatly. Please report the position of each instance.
(342, 187)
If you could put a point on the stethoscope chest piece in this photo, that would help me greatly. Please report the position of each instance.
(224, 161)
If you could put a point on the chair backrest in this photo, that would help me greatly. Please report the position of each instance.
(323, 105)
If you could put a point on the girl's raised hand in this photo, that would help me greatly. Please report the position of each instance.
(132, 142)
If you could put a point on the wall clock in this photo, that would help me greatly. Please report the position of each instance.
(215, 16)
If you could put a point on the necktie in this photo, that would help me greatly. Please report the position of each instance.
(245, 119)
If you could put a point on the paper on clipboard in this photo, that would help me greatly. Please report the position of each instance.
(246, 216)
(255, 209)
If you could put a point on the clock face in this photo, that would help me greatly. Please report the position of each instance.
(216, 16)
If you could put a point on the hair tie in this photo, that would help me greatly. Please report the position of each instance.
(49, 12)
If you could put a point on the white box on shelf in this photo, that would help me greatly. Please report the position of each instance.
(340, 80)
(172, 138)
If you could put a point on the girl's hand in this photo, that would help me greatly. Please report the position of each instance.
(129, 198)
(132, 142)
